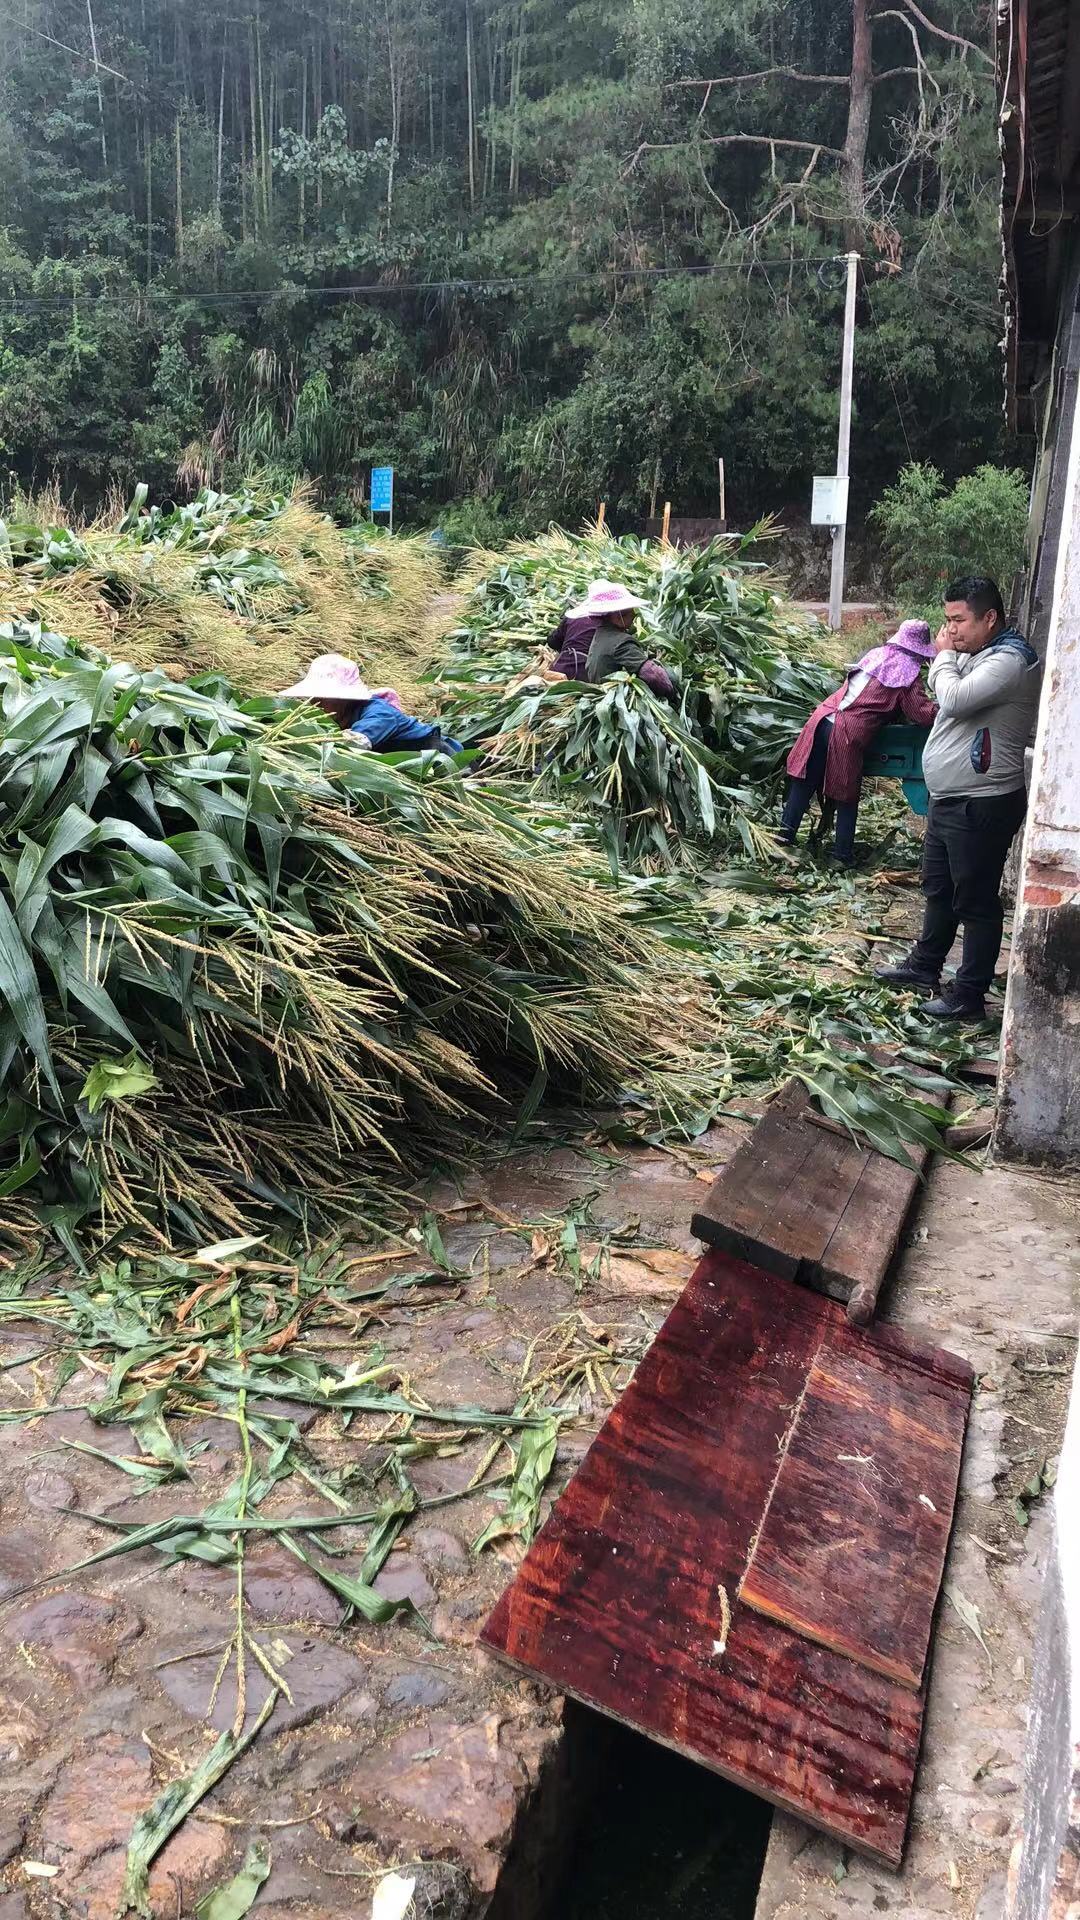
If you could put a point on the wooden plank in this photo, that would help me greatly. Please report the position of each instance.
(805, 1201)
(852, 1548)
(757, 1208)
(816, 1202)
(982, 1072)
(861, 1247)
(618, 1600)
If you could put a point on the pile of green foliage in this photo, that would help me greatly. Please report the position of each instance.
(248, 969)
(251, 585)
(662, 784)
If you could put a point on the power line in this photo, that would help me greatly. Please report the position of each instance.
(490, 284)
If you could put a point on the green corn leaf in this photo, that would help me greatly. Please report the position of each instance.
(20, 991)
(237, 1896)
(358, 1596)
(171, 1808)
(393, 1516)
(135, 506)
(150, 1470)
(535, 1459)
(28, 1169)
(117, 1080)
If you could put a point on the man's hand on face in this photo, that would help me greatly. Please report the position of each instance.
(943, 643)
(965, 631)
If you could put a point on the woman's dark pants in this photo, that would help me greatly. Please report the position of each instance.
(801, 791)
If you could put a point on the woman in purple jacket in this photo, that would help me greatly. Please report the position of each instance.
(827, 757)
(597, 639)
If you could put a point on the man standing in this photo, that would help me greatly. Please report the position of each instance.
(985, 680)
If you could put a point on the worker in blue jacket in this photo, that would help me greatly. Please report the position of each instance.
(374, 714)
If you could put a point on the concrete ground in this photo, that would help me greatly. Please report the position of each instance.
(992, 1272)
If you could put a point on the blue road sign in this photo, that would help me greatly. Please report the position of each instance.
(382, 489)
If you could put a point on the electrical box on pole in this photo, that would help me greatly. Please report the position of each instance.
(829, 508)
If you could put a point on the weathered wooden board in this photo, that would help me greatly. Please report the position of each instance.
(807, 1203)
(852, 1548)
(622, 1598)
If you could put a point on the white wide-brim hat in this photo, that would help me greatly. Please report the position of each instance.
(605, 597)
(331, 677)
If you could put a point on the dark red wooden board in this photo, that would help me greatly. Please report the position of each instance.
(617, 1601)
(853, 1545)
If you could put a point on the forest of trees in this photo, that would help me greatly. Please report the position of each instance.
(536, 253)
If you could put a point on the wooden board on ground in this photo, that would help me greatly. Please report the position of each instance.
(852, 1548)
(808, 1203)
(629, 1597)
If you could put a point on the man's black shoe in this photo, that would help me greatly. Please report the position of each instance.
(906, 974)
(955, 1004)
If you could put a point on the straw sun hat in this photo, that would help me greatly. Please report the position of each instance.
(331, 677)
(605, 597)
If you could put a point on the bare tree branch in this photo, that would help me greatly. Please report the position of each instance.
(922, 71)
(730, 140)
(957, 39)
(87, 59)
(767, 73)
(790, 73)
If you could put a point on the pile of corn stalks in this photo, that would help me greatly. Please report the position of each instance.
(248, 969)
(251, 586)
(663, 785)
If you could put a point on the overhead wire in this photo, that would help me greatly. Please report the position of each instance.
(487, 283)
(490, 284)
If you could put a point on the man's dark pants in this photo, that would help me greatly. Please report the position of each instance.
(968, 837)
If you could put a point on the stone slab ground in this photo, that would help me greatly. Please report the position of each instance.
(400, 1750)
(395, 1749)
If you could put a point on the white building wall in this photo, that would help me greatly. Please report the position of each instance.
(1039, 1099)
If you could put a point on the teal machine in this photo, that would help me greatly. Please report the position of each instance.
(896, 754)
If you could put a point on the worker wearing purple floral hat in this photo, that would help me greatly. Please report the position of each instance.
(828, 755)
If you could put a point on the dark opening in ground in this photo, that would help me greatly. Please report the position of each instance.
(661, 1836)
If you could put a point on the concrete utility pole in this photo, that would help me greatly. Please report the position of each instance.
(836, 583)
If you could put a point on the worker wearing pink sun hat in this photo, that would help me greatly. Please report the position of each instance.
(374, 714)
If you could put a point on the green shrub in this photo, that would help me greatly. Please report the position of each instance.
(474, 522)
(931, 533)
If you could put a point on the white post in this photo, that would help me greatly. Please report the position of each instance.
(843, 446)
